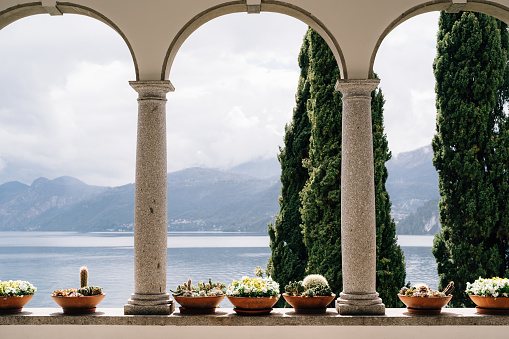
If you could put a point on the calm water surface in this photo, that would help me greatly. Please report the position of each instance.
(51, 260)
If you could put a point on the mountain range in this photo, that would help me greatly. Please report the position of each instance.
(244, 198)
(412, 181)
(198, 199)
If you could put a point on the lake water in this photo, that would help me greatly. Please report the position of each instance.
(51, 260)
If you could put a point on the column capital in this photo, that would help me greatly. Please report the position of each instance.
(356, 87)
(155, 89)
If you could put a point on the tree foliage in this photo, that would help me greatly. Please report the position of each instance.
(321, 196)
(471, 150)
(289, 256)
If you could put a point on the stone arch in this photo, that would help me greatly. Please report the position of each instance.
(235, 7)
(18, 12)
(482, 6)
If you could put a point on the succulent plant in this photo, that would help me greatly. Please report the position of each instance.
(201, 290)
(314, 280)
(320, 290)
(312, 285)
(421, 290)
(83, 291)
(294, 288)
(449, 288)
(90, 290)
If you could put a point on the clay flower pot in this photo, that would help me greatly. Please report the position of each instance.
(79, 305)
(491, 305)
(424, 305)
(198, 305)
(309, 305)
(10, 305)
(254, 305)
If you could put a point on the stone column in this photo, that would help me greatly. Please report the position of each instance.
(150, 202)
(358, 223)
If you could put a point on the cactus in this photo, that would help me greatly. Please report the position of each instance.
(321, 290)
(423, 290)
(90, 290)
(294, 288)
(83, 276)
(202, 289)
(449, 288)
(314, 280)
(84, 290)
(312, 285)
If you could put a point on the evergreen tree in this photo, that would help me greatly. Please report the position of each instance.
(321, 196)
(289, 257)
(471, 150)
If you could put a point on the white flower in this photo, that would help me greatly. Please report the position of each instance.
(488, 287)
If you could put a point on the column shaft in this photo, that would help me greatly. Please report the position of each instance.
(358, 219)
(150, 205)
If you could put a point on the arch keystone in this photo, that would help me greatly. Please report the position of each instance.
(456, 6)
(51, 7)
(254, 6)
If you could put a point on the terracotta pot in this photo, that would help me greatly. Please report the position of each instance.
(253, 306)
(424, 305)
(198, 305)
(9, 305)
(491, 305)
(79, 305)
(308, 305)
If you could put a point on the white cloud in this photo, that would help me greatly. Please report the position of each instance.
(66, 107)
(237, 120)
(233, 97)
(404, 64)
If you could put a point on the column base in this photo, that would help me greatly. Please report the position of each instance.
(149, 310)
(360, 304)
(348, 309)
(148, 304)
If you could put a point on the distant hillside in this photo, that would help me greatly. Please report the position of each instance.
(412, 181)
(424, 221)
(206, 199)
(24, 207)
(113, 209)
(245, 198)
(198, 199)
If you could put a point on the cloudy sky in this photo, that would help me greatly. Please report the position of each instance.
(66, 107)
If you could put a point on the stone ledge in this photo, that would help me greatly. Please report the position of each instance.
(278, 317)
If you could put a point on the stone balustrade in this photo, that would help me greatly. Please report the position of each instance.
(281, 323)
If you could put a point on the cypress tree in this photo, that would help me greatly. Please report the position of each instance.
(471, 150)
(289, 256)
(321, 196)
